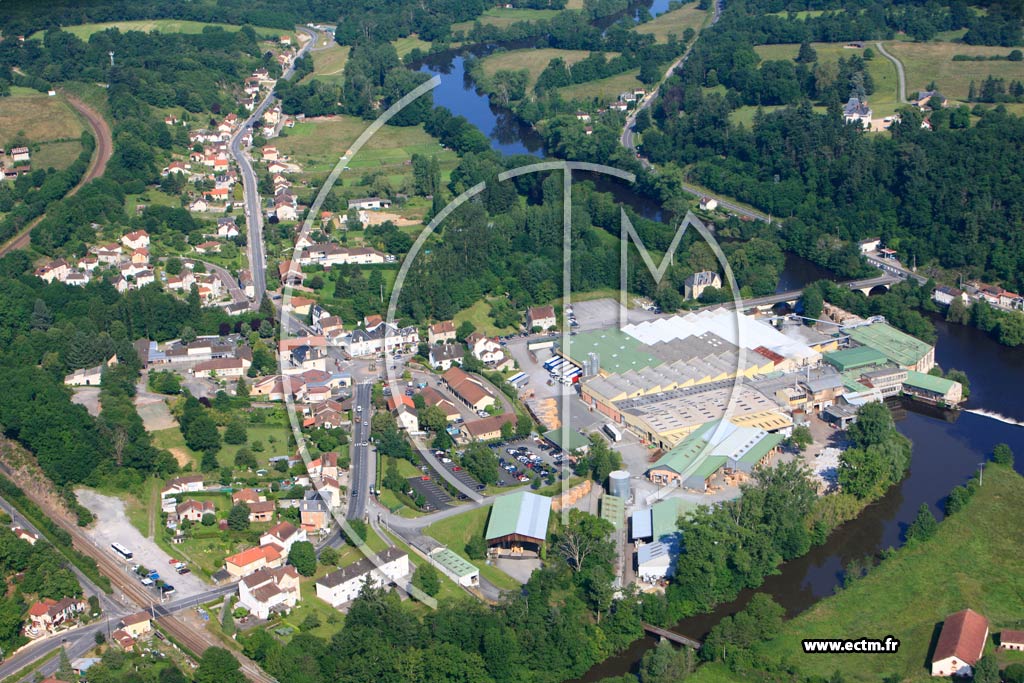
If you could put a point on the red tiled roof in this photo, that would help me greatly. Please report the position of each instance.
(963, 636)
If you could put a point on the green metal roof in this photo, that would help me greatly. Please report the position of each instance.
(851, 380)
(522, 513)
(665, 518)
(857, 357)
(761, 448)
(576, 440)
(454, 563)
(613, 509)
(709, 466)
(938, 385)
(618, 351)
(899, 347)
(686, 451)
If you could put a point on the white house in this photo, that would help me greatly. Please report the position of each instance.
(960, 645)
(269, 590)
(368, 203)
(283, 534)
(540, 316)
(137, 239)
(708, 203)
(342, 586)
(188, 484)
(442, 356)
(484, 348)
(869, 245)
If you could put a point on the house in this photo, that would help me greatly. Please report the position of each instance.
(542, 317)
(432, 397)
(313, 513)
(137, 239)
(54, 270)
(455, 567)
(857, 111)
(961, 644)
(696, 283)
(1011, 640)
(193, 510)
(381, 337)
(468, 389)
(654, 561)
(247, 284)
(246, 496)
(253, 559)
(224, 368)
(136, 625)
(108, 253)
(226, 227)
(20, 154)
(284, 209)
(199, 206)
(269, 590)
(283, 535)
(369, 203)
(342, 586)
(176, 167)
(488, 428)
(123, 639)
(278, 388)
(869, 245)
(407, 418)
(443, 331)
(927, 100)
(270, 154)
(305, 357)
(25, 535)
(484, 348)
(46, 615)
(77, 279)
(261, 511)
(188, 484)
(290, 273)
(85, 377)
(708, 203)
(442, 356)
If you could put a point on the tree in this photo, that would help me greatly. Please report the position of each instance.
(64, 670)
(665, 664)
(235, 433)
(476, 548)
(873, 426)
(801, 438)
(217, 665)
(465, 329)
(813, 302)
(302, 556)
(924, 525)
(584, 536)
(481, 463)
(427, 579)
(956, 500)
(986, 670)
(1002, 454)
(42, 318)
(1014, 673)
(238, 517)
(807, 54)
(242, 388)
(329, 557)
(209, 519)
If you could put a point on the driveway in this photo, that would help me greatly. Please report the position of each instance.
(113, 527)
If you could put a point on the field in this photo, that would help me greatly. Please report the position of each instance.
(317, 146)
(676, 21)
(533, 61)
(480, 315)
(273, 437)
(329, 64)
(745, 115)
(456, 531)
(41, 120)
(927, 62)
(404, 46)
(910, 594)
(83, 31)
(503, 18)
(883, 101)
(603, 90)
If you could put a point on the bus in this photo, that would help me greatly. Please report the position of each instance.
(121, 550)
(613, 433)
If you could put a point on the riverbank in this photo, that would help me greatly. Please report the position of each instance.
(974, 560)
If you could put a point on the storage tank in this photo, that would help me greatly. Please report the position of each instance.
(618, 484)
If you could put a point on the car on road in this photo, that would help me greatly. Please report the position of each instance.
(365, 423)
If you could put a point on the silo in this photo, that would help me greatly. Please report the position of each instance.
(618, 484)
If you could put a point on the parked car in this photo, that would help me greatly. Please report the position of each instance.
(456, 469)
(446, 460)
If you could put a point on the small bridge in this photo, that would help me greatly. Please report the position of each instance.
(672, 636)
(767, 302)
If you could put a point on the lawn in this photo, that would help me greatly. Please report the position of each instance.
(884, 100)
(745, 115)
(480, 315)
(503, 18)
(456, 531)
(602, 90)
(908, 595)
(83, 31)
(449, 589)
(404, 46)
(534, 61)
(39, 118)
(329, 64)
(172, 440)
(927, 62)
(58, 155)
(676, 21)
(317, 146)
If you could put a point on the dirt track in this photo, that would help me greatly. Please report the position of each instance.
(101, 155)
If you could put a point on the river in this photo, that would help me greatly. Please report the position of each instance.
(944, 454)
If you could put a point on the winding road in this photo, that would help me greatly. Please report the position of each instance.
(97, 166)
(902, 93)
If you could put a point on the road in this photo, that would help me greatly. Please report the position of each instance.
(626, 139)
(894, 268)
(230, 282)
(250, 184)
(363, 465)
(785, 297)
(902, 92)
(98, 164)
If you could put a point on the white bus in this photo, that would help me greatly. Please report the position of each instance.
(121, 550)
(613, 433)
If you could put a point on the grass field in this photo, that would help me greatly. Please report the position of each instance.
(39, 118)
(910, 594)
(480, 315)
(83, 31)
(603, 90)
(172, 440)
(317, 146)
(927, 62)
(404, 46)
(883, 101)
(533, 61)
(456, 531)
(745, 115)
(802, 14)
(503, 18)
(329, 64)
(676, 21)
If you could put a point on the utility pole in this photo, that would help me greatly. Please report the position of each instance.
(111, 53)
(981, 473)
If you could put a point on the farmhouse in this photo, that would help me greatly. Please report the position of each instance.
(960, 645)
(540, 316)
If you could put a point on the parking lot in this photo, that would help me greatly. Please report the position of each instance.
(437, 498)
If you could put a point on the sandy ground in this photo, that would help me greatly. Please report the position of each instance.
(113, 527)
